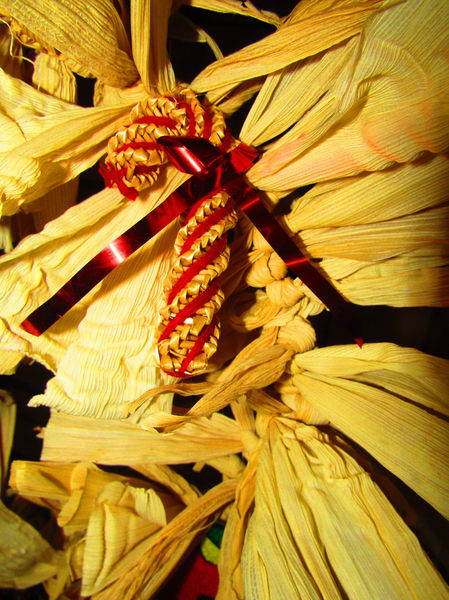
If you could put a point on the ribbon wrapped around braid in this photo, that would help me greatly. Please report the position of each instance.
(196, 140)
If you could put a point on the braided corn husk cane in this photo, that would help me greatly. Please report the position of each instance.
(187, 341)
(186, 349)
(134, 156)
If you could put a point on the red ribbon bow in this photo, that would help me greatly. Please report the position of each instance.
(209, 166)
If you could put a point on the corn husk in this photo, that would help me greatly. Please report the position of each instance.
(101, 47)
(149, 43)
(154, 565)
(322, 528)
(246, 9)
(118, 442)
(121, 527)
(304, 35)
(367, 121)
(362, 394)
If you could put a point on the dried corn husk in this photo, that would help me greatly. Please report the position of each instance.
(26, 558)
(101, 45)
(302, 36)
(118, 442)
(380, 110)
(122, 526)
(231, 585)
(54, 77)
(322, 528)
(49, 150)
(169, 545)
(149, 24)
(68, 489)
(362, 394)
(246, 9)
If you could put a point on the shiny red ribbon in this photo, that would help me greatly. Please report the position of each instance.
(209, 167)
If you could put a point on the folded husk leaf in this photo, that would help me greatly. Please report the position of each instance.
(410, 279)
(385, 106)
(301, 37)
(363, 393)
(231, 586)
(51, 149)
(122, 318)
(371, 198)
(247, 9)
(122, 526)
(149, 25)
(117, 442)
(287, 94)
(54, 77)
(322, 528)
(69, 489)
(90, 33)
(170, 544)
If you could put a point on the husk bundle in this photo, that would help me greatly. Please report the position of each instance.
(349, 96)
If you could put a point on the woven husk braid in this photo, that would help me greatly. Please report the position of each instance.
(175, 348)
(189, 328)
(138, 165)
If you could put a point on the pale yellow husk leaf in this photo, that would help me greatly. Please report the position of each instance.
(122, 526)
(53, 76)
(69, 489)
(361, 392)
(169, 545)
(416, 278)
(122, 319)
(288, 93)
(377, 207)
(385, 106)
(301, 37)
(231, 585)
(371, 198)
(258, 365)
(149, 24)
(117, 442)
(321, 528)
(89, 32)
(59, 253)
(379, 241)
(49, 149)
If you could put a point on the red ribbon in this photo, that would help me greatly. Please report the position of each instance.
(209, 167)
